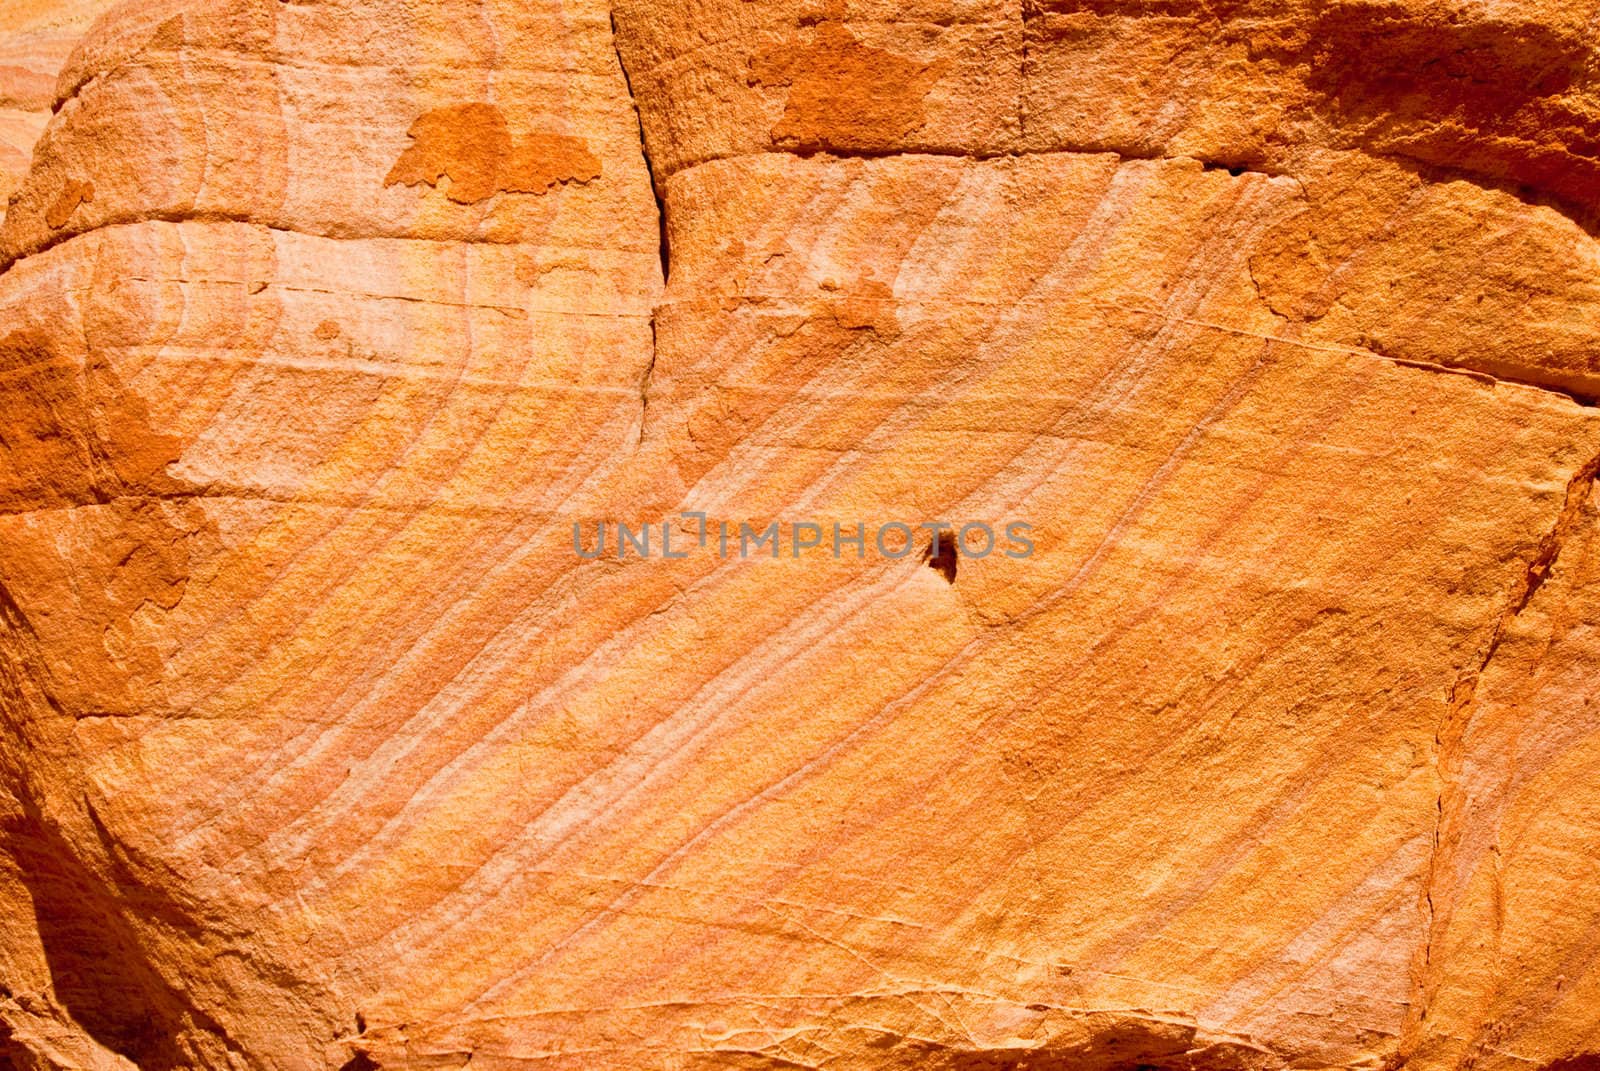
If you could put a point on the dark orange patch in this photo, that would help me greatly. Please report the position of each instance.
(72, 195)
(76, 436)
(472, 145)
(843, 94)
(1499, 97)
(327, 331)
(73, 434)
(870, 305)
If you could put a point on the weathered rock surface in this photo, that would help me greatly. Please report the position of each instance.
(36, 36)
(322, 324)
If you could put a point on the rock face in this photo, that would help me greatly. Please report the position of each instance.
(36, 37)
(326, 745)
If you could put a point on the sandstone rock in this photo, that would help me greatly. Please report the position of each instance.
(35, 39)
(323, 324)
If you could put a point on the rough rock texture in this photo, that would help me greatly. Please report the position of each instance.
(322, 322)
(36, 37)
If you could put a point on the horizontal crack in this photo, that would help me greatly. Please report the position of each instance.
(1234, 168)
(9, 260)
(783, 303)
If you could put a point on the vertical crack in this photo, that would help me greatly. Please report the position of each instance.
(657, 182)
(1450, 745)
(644, 382)
(664, 247)
(1023, 11)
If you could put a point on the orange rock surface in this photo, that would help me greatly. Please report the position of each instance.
(36, 37)
(325, 743)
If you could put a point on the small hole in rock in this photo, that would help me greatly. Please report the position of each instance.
(941, 556)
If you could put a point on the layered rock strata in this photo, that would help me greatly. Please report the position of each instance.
(324, 323)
